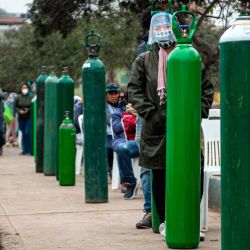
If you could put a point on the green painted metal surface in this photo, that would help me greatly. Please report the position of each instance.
(50, 125)
(67, 152)
(183, 148)
(235, 136)
(31, 132)
(183, 142)
(155, 217)
(95, 151)
(65, 101)
(40, 88)
(34, 127)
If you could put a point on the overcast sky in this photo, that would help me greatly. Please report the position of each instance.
(14, 6)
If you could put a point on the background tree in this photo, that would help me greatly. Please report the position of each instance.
(58, 28)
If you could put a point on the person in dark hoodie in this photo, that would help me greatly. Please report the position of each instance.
(2, 97)
(23, 108)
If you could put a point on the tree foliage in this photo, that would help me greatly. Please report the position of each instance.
(23, 52)
(58, 29)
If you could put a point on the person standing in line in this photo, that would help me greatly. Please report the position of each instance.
(146, 221)
(23, 108)
(147, 93)
(2, 97)
(11, 127)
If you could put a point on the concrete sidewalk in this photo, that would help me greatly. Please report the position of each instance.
(36, 213)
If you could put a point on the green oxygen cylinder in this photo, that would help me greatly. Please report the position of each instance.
(34, 125)
(183, 138)
(40, 88)
(65, 100)
(67, 152)
(50, 124)
(32, 121)
(94, 103)
(235, 135)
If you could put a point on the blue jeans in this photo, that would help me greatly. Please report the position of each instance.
(145, 182)
(126, 151)
(24, 126)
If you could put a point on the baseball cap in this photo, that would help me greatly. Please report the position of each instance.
(112, 87)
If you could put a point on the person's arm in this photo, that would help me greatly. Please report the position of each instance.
(136, 89)
(207, 94)
(78, 111)
(17, 109)
(117, 124)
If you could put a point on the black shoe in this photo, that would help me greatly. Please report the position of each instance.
(145, 222)
(131, 191)
(1, 150)
(22, 153)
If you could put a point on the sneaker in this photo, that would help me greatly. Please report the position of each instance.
(123, 188)
(131, 191)
(15, 144)
(145, 222)
(8, 144)
(202, 236)
(162, 229)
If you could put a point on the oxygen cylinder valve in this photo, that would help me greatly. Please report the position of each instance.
(184, 28)
(93, 43)
(66, 115)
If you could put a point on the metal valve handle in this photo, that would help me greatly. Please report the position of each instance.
(184, 33)
(92, 42)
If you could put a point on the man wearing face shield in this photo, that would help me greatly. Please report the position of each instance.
(147, 93)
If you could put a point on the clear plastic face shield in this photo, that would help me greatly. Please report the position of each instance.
(161, 30)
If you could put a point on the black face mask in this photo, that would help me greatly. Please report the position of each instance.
(166, 44)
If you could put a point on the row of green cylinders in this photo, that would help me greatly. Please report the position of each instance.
(54, 97)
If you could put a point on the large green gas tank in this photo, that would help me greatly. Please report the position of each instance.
(67, 152)
(183, 139)
(235, 135)
(40, 88)
(94, 101)
(65, 99)
(50, 125)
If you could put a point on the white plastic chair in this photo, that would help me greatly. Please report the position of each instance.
(212, 159)
(79, 148)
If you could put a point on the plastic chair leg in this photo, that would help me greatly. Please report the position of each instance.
(78, 161)
(115, 174)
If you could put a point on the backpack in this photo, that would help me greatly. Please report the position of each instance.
(8, 115)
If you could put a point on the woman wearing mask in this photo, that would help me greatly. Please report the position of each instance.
(23, 107)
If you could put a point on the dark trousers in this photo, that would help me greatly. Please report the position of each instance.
(110, 155)
(159, 188)
(24, 126)
(1, 131)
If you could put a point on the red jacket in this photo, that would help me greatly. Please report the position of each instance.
(129, 122)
